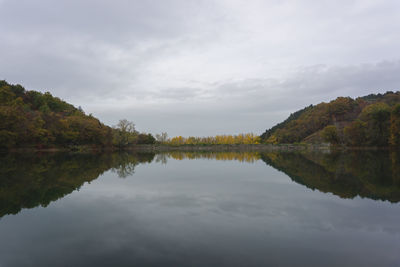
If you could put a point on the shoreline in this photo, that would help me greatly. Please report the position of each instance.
(233, 148)
(198, 148)
(255, 148)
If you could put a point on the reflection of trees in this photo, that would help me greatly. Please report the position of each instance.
(27, 180)
(249, 157)
(30, 180)
(126, 169)
(161, 157)
(373, 175)
(126, 163)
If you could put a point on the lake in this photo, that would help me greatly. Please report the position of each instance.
(200, 209)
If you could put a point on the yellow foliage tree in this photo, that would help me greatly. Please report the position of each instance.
(248, 139)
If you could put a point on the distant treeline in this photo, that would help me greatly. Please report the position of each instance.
(373, 120)
(239, 139)
(35, 119)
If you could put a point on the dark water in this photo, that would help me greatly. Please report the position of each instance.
(200, 209)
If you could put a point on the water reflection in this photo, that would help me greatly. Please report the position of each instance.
(370, 174)
(30, 180)
(347, 174)
(248, 157)
(196, 211)
(27, 180)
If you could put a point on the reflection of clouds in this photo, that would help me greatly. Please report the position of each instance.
(314, 215)
(214, 220)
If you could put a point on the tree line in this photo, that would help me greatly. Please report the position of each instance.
(245, 139)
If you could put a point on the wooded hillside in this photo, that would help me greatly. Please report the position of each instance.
(35, 119)
(373, 120)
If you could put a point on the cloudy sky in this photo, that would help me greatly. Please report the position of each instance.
(194, 67)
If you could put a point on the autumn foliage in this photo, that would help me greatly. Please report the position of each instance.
(248, 138)
(372, 120)
(31, 118)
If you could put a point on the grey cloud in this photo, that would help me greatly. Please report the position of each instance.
(106, 20)
(256, 104)
(200, 67)
(178, 94)
(311, 85)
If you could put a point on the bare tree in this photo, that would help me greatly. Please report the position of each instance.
(163, 137)
(124, 133)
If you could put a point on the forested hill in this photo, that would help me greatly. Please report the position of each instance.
(33, 118)
(372, 120)
(39, 120)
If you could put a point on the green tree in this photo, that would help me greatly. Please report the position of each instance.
(145, 139)
(377, 118)
(355, 133)
(330, 134)
(395, 126)
(124, 133)
(6, 95)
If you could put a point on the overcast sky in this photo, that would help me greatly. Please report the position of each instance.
(200, 67)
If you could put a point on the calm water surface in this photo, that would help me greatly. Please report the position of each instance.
(200, 209)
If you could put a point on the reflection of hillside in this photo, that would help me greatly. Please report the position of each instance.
(374, 175)
(27, 181)
(239, 156)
